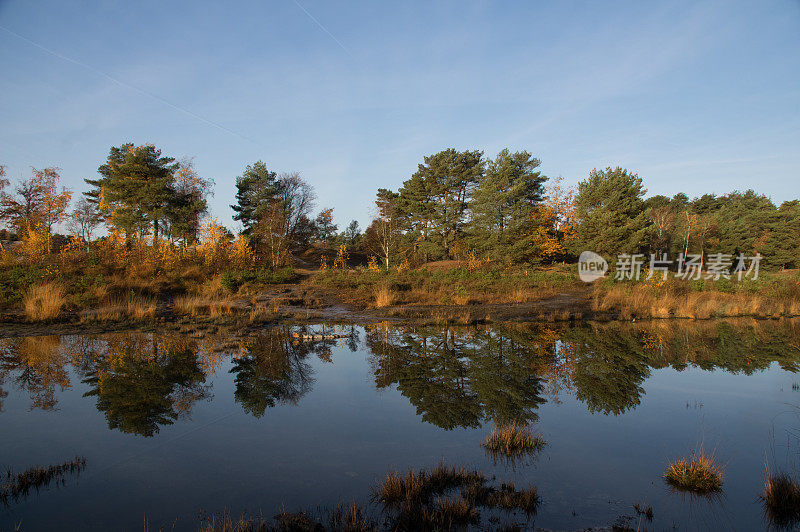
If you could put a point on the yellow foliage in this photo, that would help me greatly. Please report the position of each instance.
(473, 262)
(34, 244)
(240, 253)
(73, 251)
(213, 244)
(340, 261)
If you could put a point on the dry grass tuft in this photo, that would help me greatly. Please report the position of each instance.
(214, 305)
(699, 474)
(521, 295)
(44, 301)
(678, 300)
(384, 297)
(512, 440)
(420, 485)
(645, 510)
(509, 498)
(457, 510)
(20, 485)
(137, 307)
(261, 314)
(781, 500)
(140, 307)
(445, 498)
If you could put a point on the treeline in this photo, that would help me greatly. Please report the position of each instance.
(503, 209)
(155, 208)
(457, 205)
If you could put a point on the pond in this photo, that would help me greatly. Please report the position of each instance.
(175, 428)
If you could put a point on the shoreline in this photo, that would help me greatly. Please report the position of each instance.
(568, 306)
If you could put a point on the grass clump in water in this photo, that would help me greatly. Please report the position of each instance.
(344, 517)
(698, 474)
(781, 499)
(19, 485)
(447, 497)
(511, 441)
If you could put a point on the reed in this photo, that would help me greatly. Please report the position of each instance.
(137, 307)
(447, 497)
(677, 300)
(19, 485)
(214, 305)
(140, 307)
(420, 485)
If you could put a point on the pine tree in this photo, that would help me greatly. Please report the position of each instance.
(611, 213)
(504, 206)
(436, 198)
(256, 189)
(135, 191)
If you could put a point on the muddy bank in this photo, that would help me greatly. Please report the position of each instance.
(296, 304)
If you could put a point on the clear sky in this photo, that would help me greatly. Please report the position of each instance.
(693, 96)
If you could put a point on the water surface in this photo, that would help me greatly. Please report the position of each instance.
(175, 427)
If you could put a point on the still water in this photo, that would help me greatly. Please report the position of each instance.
(175, 427)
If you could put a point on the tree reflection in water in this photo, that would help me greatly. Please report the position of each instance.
(453, 376)
(39, 367)
(271, 370)
(462, 377)
(144, 381)
(459, 377)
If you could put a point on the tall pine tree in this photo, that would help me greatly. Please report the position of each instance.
(504, 206)
(256, 189)
(611, 213)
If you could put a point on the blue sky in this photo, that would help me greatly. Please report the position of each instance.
(694, 97)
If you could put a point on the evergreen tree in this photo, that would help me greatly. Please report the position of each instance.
(135, 190)
(504, 206)
(414, 205)
(611, 213)
(256, 189)
(743, 219)
(436, 198)
(779, 243)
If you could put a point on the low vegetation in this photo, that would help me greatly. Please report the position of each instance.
(19, 485)
(698, 474)
(452, 284)
(512, 441)
(44, 301)
(446, 497)
(643, 510)
(781, 499)
(384, 297)
(772, 296)
(344, 517)
(442, 498)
